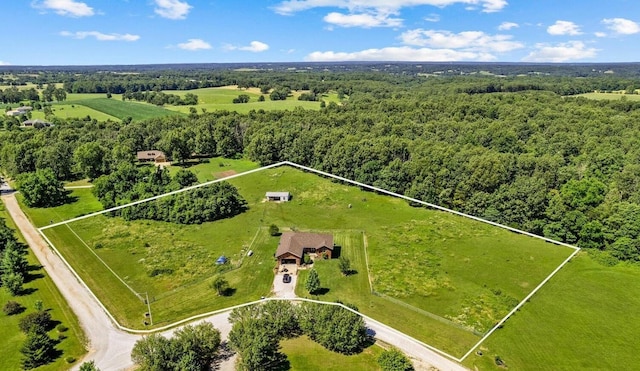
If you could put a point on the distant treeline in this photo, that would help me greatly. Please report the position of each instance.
(511, 150)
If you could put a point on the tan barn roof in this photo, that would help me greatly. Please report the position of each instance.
(295, 242)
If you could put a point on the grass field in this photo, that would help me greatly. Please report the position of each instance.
(122, 110)
(304, 354)
(583, 319)
(216, 168)
(434, 263)
(610, 96)
(74, 111)
(84, 203)
(43, 289)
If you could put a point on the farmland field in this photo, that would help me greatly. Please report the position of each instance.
(122, 110)
(406, 246)
(73, 110)
(582, 319)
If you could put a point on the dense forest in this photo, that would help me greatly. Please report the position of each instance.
(518, 150)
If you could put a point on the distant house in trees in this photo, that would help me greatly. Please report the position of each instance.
(278, 196)
(151, 156)
(20, 111)
(293, 246)
(36, 123)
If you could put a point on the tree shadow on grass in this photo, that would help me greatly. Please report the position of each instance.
(26, 291)
(321, 291)
(228, 291)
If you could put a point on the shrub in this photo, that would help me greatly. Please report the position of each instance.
(36, 321)
(394, 360)
(70, 359)
(12, 307)
(61, 328)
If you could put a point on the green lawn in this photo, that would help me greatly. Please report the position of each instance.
(216, 168)
(437, 265)
(584, 318)
(305, 354)
(84, 202)
(45, 291)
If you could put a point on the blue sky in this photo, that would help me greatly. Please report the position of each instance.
(88, 32)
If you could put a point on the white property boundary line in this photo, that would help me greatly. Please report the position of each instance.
(325, 174)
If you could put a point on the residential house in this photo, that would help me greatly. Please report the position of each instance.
(151, 156)
(293, 246)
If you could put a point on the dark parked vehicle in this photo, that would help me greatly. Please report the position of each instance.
(286, 278)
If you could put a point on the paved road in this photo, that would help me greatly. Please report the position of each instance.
(110, 347)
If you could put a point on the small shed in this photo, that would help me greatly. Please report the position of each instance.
(278, 196)
(222, 260)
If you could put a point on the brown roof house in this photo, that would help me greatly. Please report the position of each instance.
(151, 155)
(293, 245)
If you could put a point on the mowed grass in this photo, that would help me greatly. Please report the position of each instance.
(304, 354)
(406, 246)
(75, 111)
(84, 202)
(583, 319)
(215, 168)
(43, 289)
(122, 110)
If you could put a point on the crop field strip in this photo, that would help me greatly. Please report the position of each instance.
(375, 189)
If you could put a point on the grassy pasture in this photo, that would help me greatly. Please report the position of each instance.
(43, 289)
(404, 243)
(215, 168)
(610, 96)
(122, 110)
(305, 354)
(84, 203)
(582, 319)
(73, 110)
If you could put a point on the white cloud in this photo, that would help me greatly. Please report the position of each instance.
(195, 44)
(288, 7)
(467, 40)
(172, 9)
(254, 46)
(564, 28)
(3, 63)
(622, 26)
(600, 34)
(505, 26)
(404, 53)
(433, 17)
(69, 8)
(100, 36)
(561, 52)
(364, 20)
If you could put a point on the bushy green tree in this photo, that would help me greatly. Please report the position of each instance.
(89, 366)
(37, 350)
(35, 322)
(312, 283)
(221, 285)
(41, 189)
(394, 360)
(345, 265)
(333, 327)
